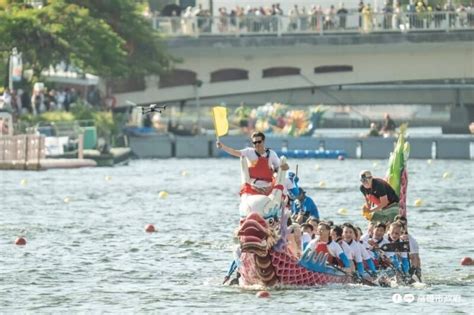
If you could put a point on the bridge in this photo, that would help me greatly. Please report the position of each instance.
(330, 66)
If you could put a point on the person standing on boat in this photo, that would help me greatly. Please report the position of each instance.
(263, 162)
(381, 200)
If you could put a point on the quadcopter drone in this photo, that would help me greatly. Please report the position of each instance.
(149, 108)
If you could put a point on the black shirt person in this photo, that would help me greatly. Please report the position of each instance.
(388, 125)
(377, 192)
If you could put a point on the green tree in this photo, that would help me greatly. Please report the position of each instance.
(107, 38)
(145, 51)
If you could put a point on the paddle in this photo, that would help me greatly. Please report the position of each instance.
(356, 278)
(221, 124)
(396, 247)
(232, 268)
(400, 274)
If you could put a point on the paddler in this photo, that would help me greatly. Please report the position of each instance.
(381, 200)
(263, 163)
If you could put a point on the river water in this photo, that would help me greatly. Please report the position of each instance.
(87, 249)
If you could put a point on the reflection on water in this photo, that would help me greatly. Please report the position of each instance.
(91, 253)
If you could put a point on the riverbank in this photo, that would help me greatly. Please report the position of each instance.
(355, 147)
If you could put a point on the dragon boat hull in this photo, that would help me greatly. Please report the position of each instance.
(286, 271)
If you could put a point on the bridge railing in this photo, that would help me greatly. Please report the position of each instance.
(324, 23)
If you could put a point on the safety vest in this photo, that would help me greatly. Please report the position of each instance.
(261, 170)
(322, 247)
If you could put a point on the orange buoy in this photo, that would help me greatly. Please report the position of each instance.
(340, 157)
(467, 261)
(150, 228)
(20, 241)
(263, 294)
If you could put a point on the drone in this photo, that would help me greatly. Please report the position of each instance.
(149, 108)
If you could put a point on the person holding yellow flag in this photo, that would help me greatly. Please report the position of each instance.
(263, 162)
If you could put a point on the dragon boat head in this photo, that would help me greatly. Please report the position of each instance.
(257, 235)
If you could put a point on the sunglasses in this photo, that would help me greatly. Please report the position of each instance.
(257, 142)
(365, 179)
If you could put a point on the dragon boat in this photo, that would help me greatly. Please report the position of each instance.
(266, 258)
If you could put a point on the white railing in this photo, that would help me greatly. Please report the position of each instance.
(328, 23)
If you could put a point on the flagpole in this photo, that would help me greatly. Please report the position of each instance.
(215, 124)
(10, 71)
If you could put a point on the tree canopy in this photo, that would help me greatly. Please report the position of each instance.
(109, 38)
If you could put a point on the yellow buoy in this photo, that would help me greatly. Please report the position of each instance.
(317, 167)
(375, 164)
(418, 202)
(163, 194)
(342, 211)
(446, 175)
(322, 184)
(108, 178)
(429, 161)
(184, 173)
(67, 200)
(24, 182)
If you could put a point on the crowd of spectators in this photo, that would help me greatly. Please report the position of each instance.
(42, 99)
(393, 15)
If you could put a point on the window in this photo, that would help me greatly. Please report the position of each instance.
(229, 75)
(280, 71)
(177, 77)
(333, 68)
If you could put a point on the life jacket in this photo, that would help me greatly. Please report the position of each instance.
(374, 200)
(261, 170)
(322, 247)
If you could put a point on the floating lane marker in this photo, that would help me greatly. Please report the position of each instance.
(163, 194)
(342, 211)
(150, 228)
(263, 294)
(418, 202)
(20, 241)
(446, 175)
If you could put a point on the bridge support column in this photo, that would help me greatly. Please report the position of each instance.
(460, 116)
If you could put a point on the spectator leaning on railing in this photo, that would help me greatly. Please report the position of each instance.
(272, 19)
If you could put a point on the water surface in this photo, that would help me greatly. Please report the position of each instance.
(87, 249)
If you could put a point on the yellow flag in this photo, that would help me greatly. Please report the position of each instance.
(220, 120)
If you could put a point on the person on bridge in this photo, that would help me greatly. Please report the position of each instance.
(263, 163)
(381, 200)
